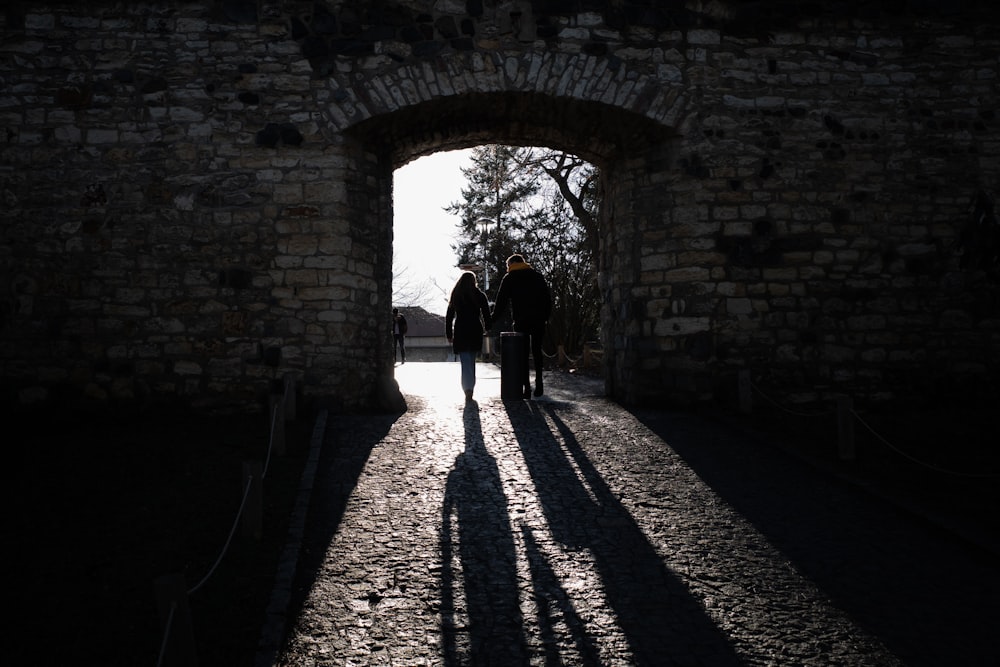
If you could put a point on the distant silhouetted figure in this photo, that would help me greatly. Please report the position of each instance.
(398, 335)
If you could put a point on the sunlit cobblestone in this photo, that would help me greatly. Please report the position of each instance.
(569, 531)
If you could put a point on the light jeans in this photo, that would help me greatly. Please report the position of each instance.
(468, 360)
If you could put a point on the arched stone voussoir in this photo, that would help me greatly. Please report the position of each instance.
(529, 89)
(598, 132)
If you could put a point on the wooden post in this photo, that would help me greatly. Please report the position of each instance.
(290, 404)
(253, 509)
(276, 420)
(746, 393)
(845, 428)
(177, 648)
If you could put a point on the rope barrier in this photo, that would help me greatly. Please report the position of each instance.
(565, 356)
(225, 548)
(918, 461)
(243, 502)
(789, 410)
(573, 361)
(888, 444)
(277, 415)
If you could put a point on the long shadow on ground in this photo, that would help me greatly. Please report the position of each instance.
(654, 610)
(930, 598)
(475, 523)
(340, 467)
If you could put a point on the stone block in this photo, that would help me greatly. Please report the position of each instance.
(704, 36)
(739, 306)
(183, 367)
(327, 294)
(688, 274)
(681, 326)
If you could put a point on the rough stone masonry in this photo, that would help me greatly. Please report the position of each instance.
(197, 196)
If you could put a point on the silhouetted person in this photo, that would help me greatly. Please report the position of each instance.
(531, 304)
(398, 335)
(467, 318)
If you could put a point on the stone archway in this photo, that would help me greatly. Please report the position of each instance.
(624, 142)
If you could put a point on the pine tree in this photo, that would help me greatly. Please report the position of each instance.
(542, 205)
(499, 190)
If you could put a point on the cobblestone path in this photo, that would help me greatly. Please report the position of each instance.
(568, 531)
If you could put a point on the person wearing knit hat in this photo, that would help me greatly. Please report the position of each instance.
(527, 293)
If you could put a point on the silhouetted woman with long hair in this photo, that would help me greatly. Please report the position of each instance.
(467, 319)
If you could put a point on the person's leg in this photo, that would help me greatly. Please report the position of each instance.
(536, 351)
(468, 372)
(523, 362)
(402, 348)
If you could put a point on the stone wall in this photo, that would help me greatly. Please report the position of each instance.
(197, 196)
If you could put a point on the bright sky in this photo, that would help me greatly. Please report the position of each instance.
(423, 231)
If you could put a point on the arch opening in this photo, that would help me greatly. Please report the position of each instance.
(618, 142)
(470, 210)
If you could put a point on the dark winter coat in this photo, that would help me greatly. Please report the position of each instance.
(528, 295)
(465, 322)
